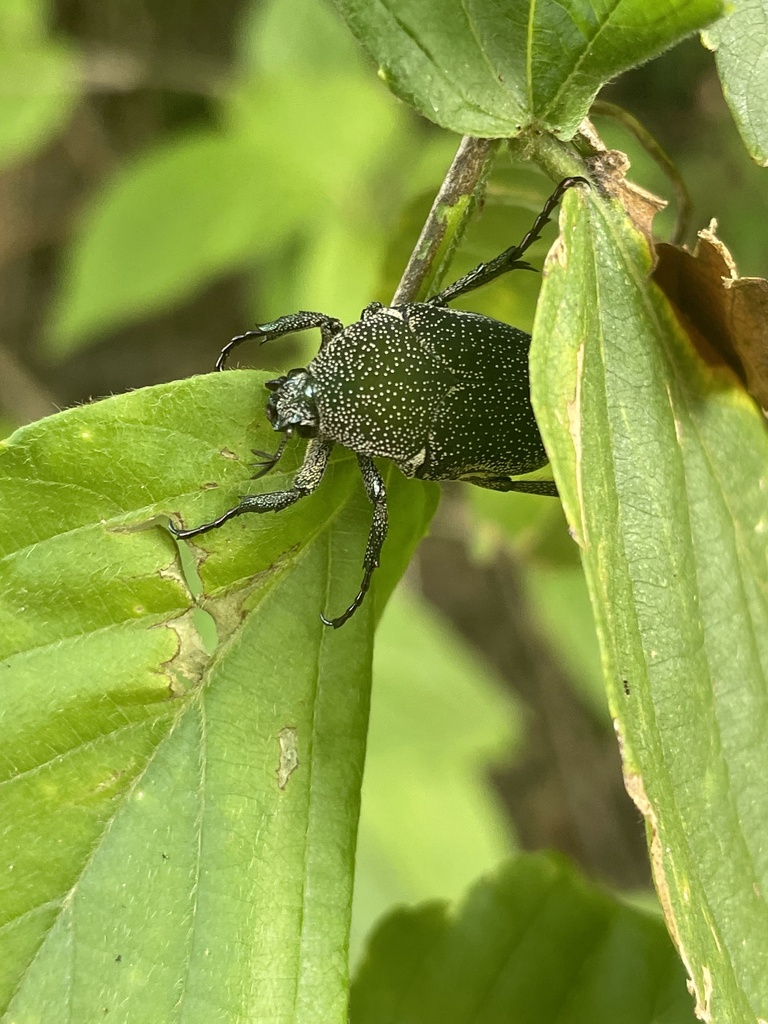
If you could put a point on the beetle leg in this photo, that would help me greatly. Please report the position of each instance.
(377, 495)
(510, 258)
(301, 321)
(306, 481)
(503, 483)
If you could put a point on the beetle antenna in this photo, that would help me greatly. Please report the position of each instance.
(510, 258)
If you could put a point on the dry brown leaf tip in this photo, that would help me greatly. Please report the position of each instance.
(725, 315)
(608, 168)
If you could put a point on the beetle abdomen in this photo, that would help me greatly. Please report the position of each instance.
(484, 423)
(480, 430)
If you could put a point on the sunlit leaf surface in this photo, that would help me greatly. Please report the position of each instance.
(178, 805)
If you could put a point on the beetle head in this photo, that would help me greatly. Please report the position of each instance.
(291, 406)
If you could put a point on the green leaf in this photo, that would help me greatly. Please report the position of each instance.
(430, 821)
(296, 37)
(39, 80)
(22, 21)
(38, 92)
(178, 216)
(294, 152)
(172, 815)
(533, 943)
(662, 464)
(740, 42)
(489, 69)
(326, 133)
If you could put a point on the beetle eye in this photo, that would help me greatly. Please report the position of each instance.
(273, 385)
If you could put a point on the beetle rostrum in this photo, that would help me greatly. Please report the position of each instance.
(441, 392)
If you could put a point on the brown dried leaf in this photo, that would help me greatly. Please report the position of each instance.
(608, 168)
(726, 315)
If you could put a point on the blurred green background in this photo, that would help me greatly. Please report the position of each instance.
(172, 173)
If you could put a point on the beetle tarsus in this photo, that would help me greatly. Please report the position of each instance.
(510, 258)
(347, 615)
(547, 488)
(183, 534)
(377, 495)
(301, 321)
(307, 479)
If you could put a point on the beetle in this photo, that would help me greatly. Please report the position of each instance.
(441, 392)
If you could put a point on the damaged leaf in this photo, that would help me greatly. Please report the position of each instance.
(174, 806)
(608, 169)
(725, 315)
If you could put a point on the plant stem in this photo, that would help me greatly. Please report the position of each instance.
(557, 159)
(454, 204)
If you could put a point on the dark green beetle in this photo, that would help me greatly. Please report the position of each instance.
(441, 392)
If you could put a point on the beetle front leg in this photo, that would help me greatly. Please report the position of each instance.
(377, 495)
(302, 321)
(306, 481)
(510, 258)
